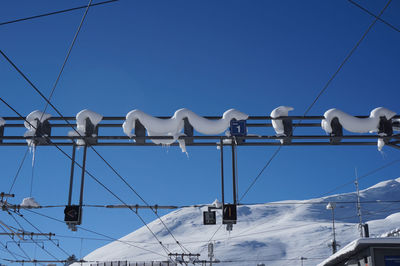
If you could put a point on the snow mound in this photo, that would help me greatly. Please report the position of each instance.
(32, 122)
(29, 203)
(277, 124)
(355, 124)
(81, 118)
(216, 203)
(173, 126)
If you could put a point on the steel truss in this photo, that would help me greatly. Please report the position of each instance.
(260, 133)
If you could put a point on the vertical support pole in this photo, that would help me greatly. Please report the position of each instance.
(334, 247)
(234, 172)
(221, 145)
(71, 179)
(83, 175)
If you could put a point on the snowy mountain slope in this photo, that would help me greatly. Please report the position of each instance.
(273, 233)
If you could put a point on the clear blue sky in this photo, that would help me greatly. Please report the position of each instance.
(208, 56)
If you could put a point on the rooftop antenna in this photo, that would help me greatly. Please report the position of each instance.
(360, 224)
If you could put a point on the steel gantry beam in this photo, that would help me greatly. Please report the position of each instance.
(260, 133)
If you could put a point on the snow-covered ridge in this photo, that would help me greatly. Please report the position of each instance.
(271, 233)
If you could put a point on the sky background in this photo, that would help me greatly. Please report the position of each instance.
(207, 56)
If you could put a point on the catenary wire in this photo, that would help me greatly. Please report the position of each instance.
(21, 228)
(58, 78)
(325, 87)
(42, 248)
(51, 240)
(13, 254)
(338, 187)
(97, 233)
(372, 14)
(12, 239)
(18, 171)
(67, 56)
(91, 147)
(55, 12)
(92, 176)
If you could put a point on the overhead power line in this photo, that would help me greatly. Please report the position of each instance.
(322, 91)
(68, 54)
(99, 234)
(372, 14)
(91, 147)
(92, 176)
(48, 236)
(55, 12)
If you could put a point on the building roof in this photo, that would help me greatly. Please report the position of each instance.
(357, 245)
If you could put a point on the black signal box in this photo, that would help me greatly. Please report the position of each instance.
(209, 218)
(73, 214)
(229, 214)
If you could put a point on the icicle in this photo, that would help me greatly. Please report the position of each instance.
(32, 149)
(381, 143)
(182, 145)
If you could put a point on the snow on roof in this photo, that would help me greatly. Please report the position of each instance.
(352, 247)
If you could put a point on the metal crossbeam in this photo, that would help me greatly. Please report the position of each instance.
(260, 133)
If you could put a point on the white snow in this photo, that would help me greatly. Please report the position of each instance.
(355, 124)
(29, 203)
(31, 124)
(94, 118)
(277, 123)
(173, 126)
(2, 122)
(272, 233)
(216, 203)
(349, 248)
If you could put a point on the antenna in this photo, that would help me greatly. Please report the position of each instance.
(360, 224)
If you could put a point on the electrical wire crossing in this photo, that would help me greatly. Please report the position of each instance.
(325, 87)
(54, 13)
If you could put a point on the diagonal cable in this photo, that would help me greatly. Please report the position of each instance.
(324, 89)
(97, 233)
(55, 12)
(67, 56)
(372, 14)
(59, 113)
(18, 171)
(51, 240)
(88, 173)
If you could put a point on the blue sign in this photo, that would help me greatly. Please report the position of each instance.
(238, 128)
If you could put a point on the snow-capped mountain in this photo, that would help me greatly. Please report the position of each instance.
(278, 233)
